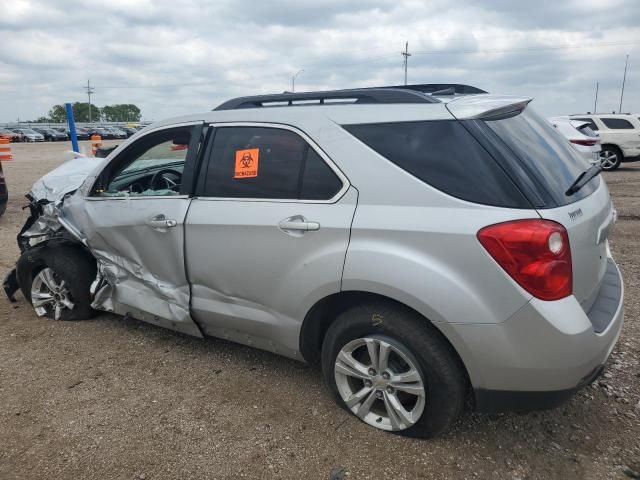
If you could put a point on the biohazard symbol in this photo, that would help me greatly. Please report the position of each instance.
(247, 163)
(246, 160)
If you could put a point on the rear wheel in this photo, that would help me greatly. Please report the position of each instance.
(610, 157)
(393, 370)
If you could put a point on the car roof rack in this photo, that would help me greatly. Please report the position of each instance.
(379, 95)
(442, 88)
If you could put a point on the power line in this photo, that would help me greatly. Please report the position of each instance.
(525, 49)
(362, 61)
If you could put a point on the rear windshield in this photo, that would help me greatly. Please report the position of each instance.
(592, 124)
(586, 130)
(545, 154)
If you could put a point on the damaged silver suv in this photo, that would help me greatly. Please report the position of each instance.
(429, 250)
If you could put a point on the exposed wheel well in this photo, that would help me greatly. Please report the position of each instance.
(325, 311)
(613, 147)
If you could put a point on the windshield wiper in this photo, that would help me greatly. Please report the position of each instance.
(583, 179)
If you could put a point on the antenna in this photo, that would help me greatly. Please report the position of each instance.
(89, 90)
(624, 78)
(406, 56)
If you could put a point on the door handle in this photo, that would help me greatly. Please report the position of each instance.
(160, 222)
(298, 223)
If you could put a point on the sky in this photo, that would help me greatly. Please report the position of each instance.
(173, 57)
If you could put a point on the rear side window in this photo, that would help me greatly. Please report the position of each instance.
(444, 155)
(269, 163)
(592, 124)
(548, 158)
(617, 123)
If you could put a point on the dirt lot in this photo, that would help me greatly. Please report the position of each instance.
(110, 398)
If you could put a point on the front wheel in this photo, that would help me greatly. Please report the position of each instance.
(56, 280)
(392, 369)
(610, 158)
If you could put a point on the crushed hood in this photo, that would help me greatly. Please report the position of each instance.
(64, 179)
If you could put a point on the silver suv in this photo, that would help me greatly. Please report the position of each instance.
(425, 249)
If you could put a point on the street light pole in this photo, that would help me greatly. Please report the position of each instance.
(624, 78)
(293, 81)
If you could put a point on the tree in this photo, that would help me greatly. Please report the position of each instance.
(125, 112)
(81, 112)
(58, 114)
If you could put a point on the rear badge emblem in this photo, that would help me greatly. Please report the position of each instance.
(575, 214)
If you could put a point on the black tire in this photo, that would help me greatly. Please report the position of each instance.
(611, 150)
(440, 368)
(72, 264)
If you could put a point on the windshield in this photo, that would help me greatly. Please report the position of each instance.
(545, 154)
(154, 163)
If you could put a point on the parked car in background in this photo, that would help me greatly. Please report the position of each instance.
(81, 133)
(11, 136)
(50, 134)
(582, 138)
(129, 131)
(619, 136)
(104, 134)
(116, 132)
(29, 135)
(336, 234)
(4, 194)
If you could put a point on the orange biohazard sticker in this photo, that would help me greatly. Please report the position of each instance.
(247, 163)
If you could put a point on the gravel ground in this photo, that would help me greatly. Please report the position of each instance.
(114, 398)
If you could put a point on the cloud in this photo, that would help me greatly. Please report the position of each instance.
(175, 57)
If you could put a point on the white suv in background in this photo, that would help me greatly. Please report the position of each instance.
(581, 136)
(619, 135)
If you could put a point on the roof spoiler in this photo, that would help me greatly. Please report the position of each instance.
(487, 107)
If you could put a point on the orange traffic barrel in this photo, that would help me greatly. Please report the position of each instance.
(5, 150)
(96, 143)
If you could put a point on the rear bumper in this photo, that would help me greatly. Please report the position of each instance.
(544, 352)
(496, 401)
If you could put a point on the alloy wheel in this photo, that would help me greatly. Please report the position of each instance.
(608, 159)
(50, 294)
(380, 383)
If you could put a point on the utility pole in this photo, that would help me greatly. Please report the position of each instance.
(90, 90)
(595, 105)
(293, 81)
(406, 56)
(624, 78)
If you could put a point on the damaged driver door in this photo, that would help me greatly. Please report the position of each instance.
(133, 221)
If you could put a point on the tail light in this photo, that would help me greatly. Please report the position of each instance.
(535, 253)
(590, 142)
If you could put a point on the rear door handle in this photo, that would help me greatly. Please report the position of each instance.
(160, 222)
(299, 224)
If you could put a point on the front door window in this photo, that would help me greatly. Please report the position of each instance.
(152, 166)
